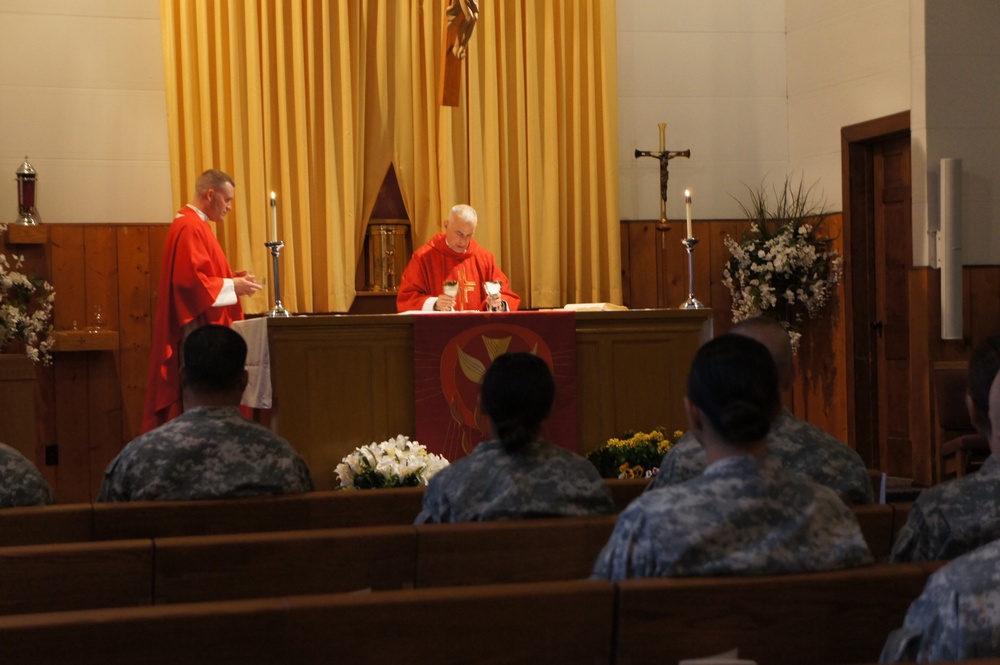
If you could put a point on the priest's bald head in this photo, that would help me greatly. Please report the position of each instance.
(460, 227)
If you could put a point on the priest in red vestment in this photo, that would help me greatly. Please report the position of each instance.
(453, 256)
(197, 287)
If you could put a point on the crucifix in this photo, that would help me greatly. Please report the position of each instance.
(664, 156)
(461, 18)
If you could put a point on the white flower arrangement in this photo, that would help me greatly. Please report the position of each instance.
(25, 309)
(397, 462)
(782, 267)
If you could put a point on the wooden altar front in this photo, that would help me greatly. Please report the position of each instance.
(341, 381)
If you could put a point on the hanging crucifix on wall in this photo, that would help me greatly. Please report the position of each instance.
(664, 156)
(460, 19)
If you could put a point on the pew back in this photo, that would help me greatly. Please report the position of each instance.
(568, 622)
(510, 551)
(820, 618)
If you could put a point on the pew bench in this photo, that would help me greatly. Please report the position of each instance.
(819, 618)
(554, 622)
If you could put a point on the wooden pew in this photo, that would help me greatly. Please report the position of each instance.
(510, 551)
(876, 522)
(558, 622)
(38, 525)
(313, 510)
(258, 565)
(68, 576)
(819, 618)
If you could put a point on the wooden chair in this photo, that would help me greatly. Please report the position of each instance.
(960, 449)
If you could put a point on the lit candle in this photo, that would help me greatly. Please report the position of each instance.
(687, 205)
(274, 218)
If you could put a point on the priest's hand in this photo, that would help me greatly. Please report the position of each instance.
(494, 302)
(444, 303)
(245, 284)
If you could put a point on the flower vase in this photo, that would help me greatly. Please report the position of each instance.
(18, 382)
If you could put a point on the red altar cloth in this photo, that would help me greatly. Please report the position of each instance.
(452, 352)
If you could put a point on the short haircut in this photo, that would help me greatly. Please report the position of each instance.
(983, 367)
(772, 334)
(214, 359)
(734, 382)
(464, 212)
(517, 394)
(212, 179)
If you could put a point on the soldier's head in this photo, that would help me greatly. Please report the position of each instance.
(460, 227)
(994, 416)
(214, 372)
(517, 395)
(983, 367)
(732, 391)
(773, 335)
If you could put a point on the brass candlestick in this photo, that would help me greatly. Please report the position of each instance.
(691, 302)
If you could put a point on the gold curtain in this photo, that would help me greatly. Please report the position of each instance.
(313, 99)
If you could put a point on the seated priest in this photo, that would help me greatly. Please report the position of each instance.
(210, 451)
(451, 273)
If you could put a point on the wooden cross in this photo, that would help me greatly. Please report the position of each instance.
(461, 18)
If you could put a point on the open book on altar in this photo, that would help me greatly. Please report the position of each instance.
(595, 307)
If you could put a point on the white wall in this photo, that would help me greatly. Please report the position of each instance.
(714, 71)
(960, 118)
(848, 62)
(82, 95)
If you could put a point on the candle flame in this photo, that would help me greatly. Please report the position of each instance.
(272, 197)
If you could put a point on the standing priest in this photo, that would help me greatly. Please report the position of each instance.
(197, 287)
(453, 256)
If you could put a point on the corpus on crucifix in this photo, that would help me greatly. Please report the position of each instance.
(664, 156)
(460, 19)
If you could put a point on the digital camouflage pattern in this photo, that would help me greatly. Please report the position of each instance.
(957, 617)
(952, 518)
(539, 480)
(744, 515)
(21, 483)
(205, 453)
(797, 445)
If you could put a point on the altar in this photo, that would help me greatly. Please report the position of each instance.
(341, 381)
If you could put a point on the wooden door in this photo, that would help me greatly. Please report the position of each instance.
(893, 262)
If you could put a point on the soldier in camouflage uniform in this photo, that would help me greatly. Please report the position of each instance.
(518, 475)
(957, 617)
(21, 483)
(744, 515)
(959, 515)
(210, 451)
(795, 444)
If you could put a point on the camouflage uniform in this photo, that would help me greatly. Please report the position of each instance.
(744, 515)
(957, 617)
(540, 480)
(205, 453)
(952, 518)
(798, 446)
(21, 483)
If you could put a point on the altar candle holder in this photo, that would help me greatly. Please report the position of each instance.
(275, 247)
(691, 302)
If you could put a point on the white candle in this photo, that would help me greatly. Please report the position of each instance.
(687, 205)
(274, 218)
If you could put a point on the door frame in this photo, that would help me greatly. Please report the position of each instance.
(857, 147)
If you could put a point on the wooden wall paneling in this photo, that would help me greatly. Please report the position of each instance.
(104, 395)
(135, 323)
(718, 255)
(642, 269)
(984, 302)
(623, 231)
(702, 264)
(69, 398)
(921, 332)
(675, 271)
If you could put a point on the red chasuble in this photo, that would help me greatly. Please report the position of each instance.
(435, 263)
(194, 268)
